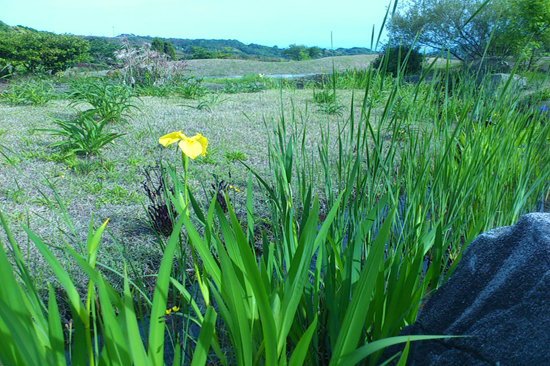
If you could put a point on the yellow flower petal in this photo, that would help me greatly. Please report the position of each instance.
(168, 311)
(190, 148)
(175, 308)
(171, 138)
(202, 140)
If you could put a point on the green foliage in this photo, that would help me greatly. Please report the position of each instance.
(301, 52)
(157, 45)
(191, 88)
(323, 96)
(530, 23)
(32, 92)
(170, 51)
(235, 156)
(111, 101)
(451, 25)
(201, 53)
(233, 87)
(402, 59)
(331, 107)
(103, 51)
(82, 136)
(41, 51)
(208, 102)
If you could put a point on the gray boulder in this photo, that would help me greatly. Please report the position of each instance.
(498, 296)
(501, 79)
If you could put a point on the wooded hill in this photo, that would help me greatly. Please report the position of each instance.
(219, 48)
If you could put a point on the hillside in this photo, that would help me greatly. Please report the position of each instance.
(233, 48)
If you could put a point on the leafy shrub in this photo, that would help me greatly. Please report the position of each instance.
(41, 51)
(109, 100)
(404, 58)
(201, 53)
(82, 136)
(28, 93)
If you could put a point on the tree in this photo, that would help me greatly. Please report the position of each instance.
(170, 51)
(531, 22)
(297, 53)
(466, 28)
(314, 52)
(397, 56)
(103, 51)
(201, 53)
(157, 45)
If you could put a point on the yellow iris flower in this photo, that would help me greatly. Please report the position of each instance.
(190, 146)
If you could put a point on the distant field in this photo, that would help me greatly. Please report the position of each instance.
(215, 67)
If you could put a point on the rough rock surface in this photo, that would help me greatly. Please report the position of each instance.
(499, 295)
(501, 79)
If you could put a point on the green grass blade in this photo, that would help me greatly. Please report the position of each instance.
(205, 338)
(55, 330)
(300, 352)
(361, 353)
(135, 343)
(352, 325)
(155, 344)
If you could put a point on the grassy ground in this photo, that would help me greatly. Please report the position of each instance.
(424, 153)
(236, 129)
(217, 68)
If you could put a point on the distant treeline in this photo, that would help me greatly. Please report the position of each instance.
(230, 48)
(26, 49)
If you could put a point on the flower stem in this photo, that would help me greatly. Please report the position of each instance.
(185, 163)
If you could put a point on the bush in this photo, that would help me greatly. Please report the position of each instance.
(41, 51)
(404, 58)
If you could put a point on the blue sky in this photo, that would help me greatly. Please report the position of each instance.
(275, 22)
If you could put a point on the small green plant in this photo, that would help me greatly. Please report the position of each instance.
(191, 88)
(331, 108)
(162, 90)
(208, 103)
(324, 96)
(117, 195)
(28, 93)
(110, 101)
(233, 87)
(82, 136)
(235, 155)
(16, 195)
